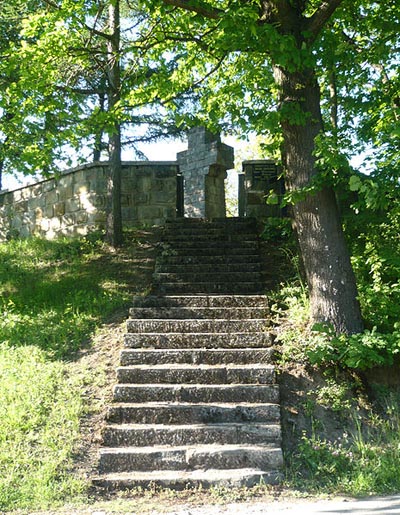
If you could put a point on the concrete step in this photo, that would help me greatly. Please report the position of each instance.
(210, 258)
(189, 413)
(199, 340)
(207, 277)
(209, 301)
(209, 251)
(196, 393)
(235, 288)
(244, 356)
(140, 435)
(196, 374)
(187, 457)
(208, 268)
(234, 221)
(247, 246)
(198, 313)
(181, 480)
(197, 326)
(206, 235)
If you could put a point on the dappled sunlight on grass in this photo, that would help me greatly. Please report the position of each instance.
(53, 297)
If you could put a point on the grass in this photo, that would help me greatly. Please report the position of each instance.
(39, 423)
(53, 297)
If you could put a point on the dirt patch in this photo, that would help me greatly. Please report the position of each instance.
(308, 407)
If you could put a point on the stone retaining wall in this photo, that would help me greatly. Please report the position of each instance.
(74, 202)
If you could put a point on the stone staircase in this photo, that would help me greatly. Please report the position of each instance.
(196, 401)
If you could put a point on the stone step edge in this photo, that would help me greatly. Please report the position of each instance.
(202, 313)
(177, 404)
(191, 356)
(181, 480)
(263, 340)
(210, 300)
(192, 447)
(198, 366)
(184, 412)
(188, 427)
(194, 320)
(203, 325)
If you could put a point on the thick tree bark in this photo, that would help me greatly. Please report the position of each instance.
(331, 281)
(114, 212)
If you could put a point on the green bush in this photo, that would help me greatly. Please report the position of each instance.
(359, 351)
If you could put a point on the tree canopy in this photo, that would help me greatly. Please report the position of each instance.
(318, 77)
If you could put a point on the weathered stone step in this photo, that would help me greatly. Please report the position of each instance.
(198, 340)
(239, 288)
(196, 374)
(208, 268)
(194, 326)
(140, 435)
(242, 356)
(196, 393)
(186, 457)
(209, 251)
(210, 301)
(206, 237)
(210, 230)
(221, 244)
(234, 221)
(189, 413)
(198, 313)
(209, 277)
(180, 480)
(213, 259)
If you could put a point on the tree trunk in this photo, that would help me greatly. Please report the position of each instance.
(1, 173)
(330, 277)
(114, 212)
(98, 137)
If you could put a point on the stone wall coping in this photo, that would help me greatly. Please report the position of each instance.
(87, 166)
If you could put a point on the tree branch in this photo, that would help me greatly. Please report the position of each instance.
(204, 9)
(315, 24)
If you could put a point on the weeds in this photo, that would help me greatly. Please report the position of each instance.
(365, 462)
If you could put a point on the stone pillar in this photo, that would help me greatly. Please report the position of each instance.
(203, 166)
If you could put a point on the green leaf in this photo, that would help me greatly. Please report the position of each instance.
(355, 183)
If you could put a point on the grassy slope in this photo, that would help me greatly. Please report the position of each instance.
(54, 296)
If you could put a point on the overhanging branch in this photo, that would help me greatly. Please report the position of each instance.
(315, 24)
(208, 11)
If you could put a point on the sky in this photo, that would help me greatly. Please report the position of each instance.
(161, 151)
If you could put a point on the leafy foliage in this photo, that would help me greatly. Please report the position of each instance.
(373, 237)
